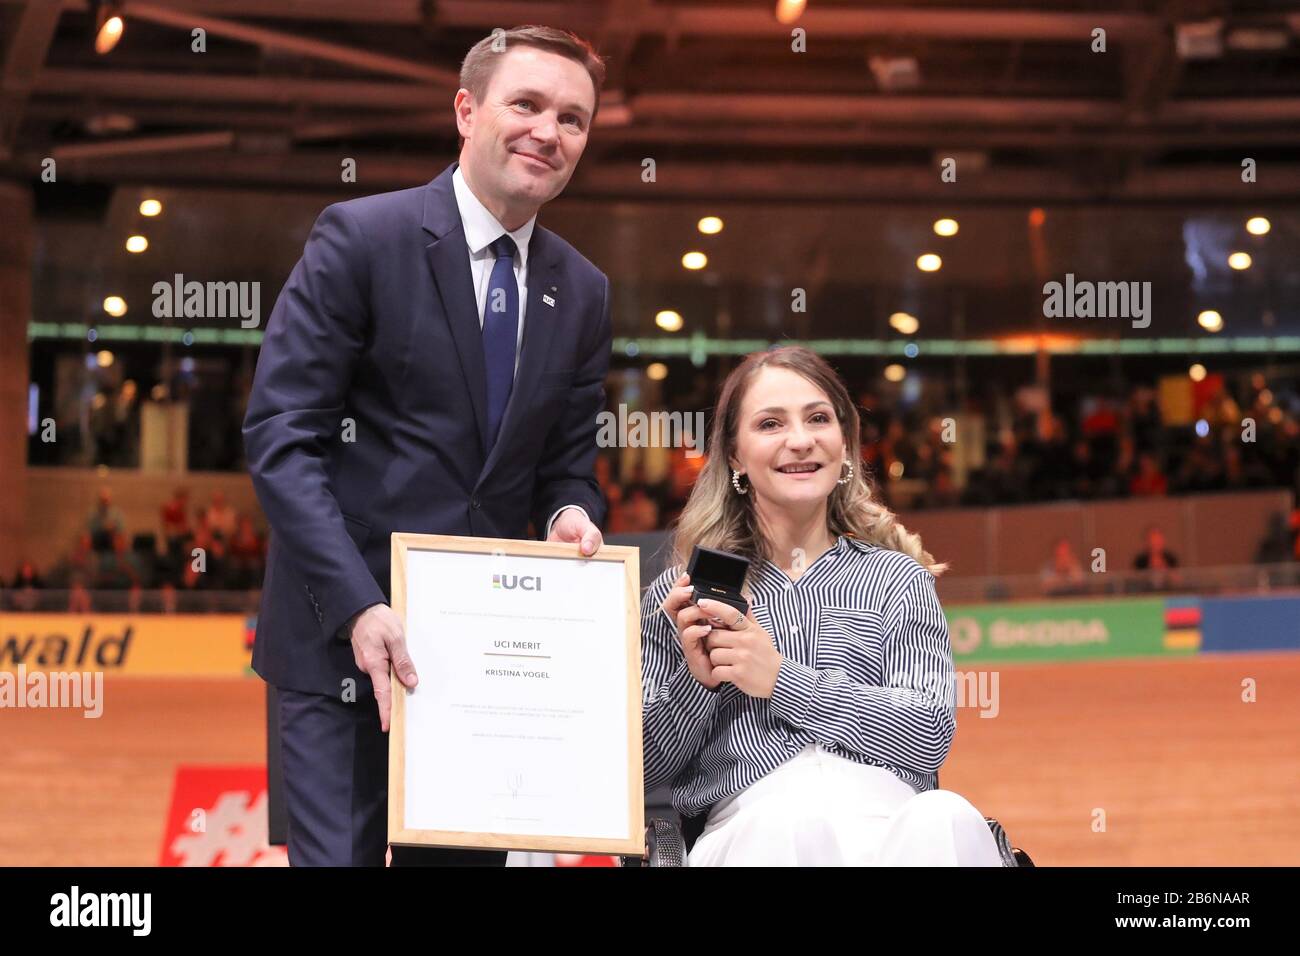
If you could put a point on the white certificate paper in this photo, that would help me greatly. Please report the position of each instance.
(520, 723)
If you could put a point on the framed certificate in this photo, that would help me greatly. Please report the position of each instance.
(524, 732)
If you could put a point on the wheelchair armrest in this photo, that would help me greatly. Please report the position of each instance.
(1011, 856)
(665, 845)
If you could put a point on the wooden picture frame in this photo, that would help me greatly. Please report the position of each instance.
(416, 806)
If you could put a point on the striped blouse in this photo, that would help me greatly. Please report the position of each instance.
(867, 672)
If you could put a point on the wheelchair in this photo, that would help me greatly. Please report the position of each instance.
(668, 841)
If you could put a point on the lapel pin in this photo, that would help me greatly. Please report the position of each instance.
(549, 301)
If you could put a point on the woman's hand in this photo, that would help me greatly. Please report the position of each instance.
(741, 652)
(692, 628)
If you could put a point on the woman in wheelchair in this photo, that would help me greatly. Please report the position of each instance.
(809, 731)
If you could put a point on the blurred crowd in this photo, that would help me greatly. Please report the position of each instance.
(110, 567)
(1106, 449)
(1156, 566)
(1024, 452)
(1064, 573)
(1109, 449)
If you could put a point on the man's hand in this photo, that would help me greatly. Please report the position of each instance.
(378, 644)
(574, 526)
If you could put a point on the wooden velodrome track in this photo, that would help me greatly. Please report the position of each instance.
(1185, 771)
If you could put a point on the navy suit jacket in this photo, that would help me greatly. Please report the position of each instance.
(368, 415)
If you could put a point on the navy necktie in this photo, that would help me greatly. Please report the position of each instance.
(500, 333)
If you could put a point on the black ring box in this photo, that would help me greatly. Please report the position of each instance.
(718, 576)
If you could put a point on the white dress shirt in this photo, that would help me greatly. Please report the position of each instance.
(481, 230)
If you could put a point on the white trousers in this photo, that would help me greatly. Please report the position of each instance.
(820, 809)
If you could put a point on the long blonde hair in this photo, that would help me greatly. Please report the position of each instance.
(716, 517)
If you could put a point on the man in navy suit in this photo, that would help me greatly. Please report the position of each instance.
(435, 363)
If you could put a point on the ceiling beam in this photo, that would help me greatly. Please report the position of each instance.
(842, 108)
(617, 36)
(367, 60)
(688, 181)
(874, 21)
(105, 85)
(812, 108)
(396, 12)
(23, 60)
(418, 124)
(144, 145)
(273, 117)
(842, 22)
(947, 136)
(320, 124)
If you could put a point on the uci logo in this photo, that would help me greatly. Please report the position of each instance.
(512, 582)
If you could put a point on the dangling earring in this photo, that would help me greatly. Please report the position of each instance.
(735, 483)
(849, 477)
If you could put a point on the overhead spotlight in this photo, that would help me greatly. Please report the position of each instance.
(108, 26)
(115, 306)
(895, 372)
(1210, 320)
(669, 321)
(1239, 260)
(695, 260)
(945, 227)
(656, 371)
(150, 207)
(1258, 225)
(1197, 372)
(788, 11)
(136, 244)
(904, 323)
(929, 262)
(710, 225)
(104, 358)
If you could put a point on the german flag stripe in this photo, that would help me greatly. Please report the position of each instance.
(1182, 639)
(1182, 617)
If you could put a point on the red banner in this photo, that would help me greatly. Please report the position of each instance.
(218, 818)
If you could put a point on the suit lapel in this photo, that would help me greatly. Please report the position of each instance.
(449, 259)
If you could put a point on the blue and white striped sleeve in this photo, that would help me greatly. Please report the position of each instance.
(908, 722)
(675, 707)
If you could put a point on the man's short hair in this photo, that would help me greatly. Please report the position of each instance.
(481, 61)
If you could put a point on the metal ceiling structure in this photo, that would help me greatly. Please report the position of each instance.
(1019, 95)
